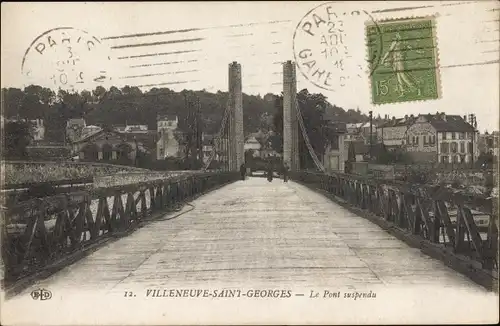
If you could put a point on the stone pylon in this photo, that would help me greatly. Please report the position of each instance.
(290, 122)
(236, 137)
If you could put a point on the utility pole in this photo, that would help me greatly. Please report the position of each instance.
(199, 130)
(371, 133)
(473, 138)
(187, 136)
(472, 121)
(191, 134)
(193, 109)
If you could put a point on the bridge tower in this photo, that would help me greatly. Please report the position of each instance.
(290, 122)
(235, 122)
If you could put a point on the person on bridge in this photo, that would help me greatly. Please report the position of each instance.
(270, 173)
(242, 171)
(285, 172)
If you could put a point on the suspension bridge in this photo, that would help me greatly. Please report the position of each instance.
(211, 229)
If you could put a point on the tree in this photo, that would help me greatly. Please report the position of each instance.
(17, 137)
(394, 156)
(35, 102)
(12, 100)
(485, 158)
(129, 105)
(312, 108)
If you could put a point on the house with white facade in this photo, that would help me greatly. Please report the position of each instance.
(441, 138)
(167, 144)
(251, 143)
(207, 146)
(335, 152)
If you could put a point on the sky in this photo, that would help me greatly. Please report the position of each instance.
(189, 45)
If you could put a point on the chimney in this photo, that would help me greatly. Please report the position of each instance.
(443, 116)
(465, 118)
(406, 116)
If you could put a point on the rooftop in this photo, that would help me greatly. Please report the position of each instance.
(443, 122)
(251, 139)
(78, 121)
(135, 128)
(167, 117)
(398, 122)
(440, 122)
(337, 127)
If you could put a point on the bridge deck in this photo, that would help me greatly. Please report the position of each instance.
(256, 234)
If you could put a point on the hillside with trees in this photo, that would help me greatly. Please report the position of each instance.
(130, 105)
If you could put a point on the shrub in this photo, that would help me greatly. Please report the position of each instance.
(420, 176)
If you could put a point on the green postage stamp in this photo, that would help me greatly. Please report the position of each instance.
(403, 59)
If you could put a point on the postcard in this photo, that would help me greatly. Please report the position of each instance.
(270, 163)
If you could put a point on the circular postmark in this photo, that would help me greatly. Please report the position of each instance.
(330, 45)
(66, 58)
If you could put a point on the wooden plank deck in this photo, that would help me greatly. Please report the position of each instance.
(255, 234)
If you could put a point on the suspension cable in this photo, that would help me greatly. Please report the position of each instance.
(317, 162)
(218, 137)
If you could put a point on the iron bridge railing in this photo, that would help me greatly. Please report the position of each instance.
(442, 223)
(41, 232)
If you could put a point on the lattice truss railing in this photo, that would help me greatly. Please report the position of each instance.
(41, 232)
(444, 221)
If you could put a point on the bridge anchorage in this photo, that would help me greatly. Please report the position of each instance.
(41, 236)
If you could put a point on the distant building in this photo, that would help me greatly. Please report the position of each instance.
(167, 144)
(37, 129)
(441, 138)
(488, 143)
(251, 143)
(208, 145)
(119, 128)
(74, 129)
(142, 129)
(112, 146)
(335, 153)
(353, 132)
(392, 133)
(89, 130)
(360, 132)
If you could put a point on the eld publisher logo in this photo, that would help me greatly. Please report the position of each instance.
(41, 294)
